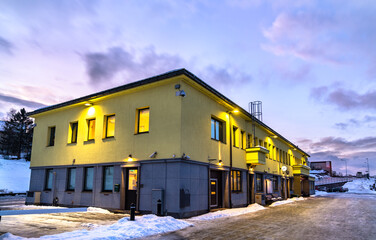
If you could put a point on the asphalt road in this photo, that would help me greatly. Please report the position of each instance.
(335, 216)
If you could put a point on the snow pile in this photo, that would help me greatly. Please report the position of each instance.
(360, 185)
(123, 229)
(14, 176)
(318, 171)
(320, 193)
(98, 210)
(290, 200)
(229, 212)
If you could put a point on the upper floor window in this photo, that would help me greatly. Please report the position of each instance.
(249, 141)
(242, 139)
(73, 132)
(236, 181)
(91, 129)
(217, 130)
(71, 179)
(110, 126)
(48, 181)
(235, 138)
(143, 120)
(108, 178)
(51, 136)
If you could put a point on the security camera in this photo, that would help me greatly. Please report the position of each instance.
(187, 157)
(153, 155)
(182, 93)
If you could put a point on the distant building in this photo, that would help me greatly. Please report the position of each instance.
(323, 165)
(2, 124)
(359, 174)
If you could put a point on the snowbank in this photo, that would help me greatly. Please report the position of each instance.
(319, 193)
(98, 210)
(229, 212)
(360, 185)
(290, 200)
(123, 229)
(14, 175)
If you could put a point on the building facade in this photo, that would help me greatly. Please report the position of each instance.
(170, 138)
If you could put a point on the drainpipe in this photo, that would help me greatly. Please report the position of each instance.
(229, 175)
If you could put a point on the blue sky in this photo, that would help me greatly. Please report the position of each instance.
(311, 63)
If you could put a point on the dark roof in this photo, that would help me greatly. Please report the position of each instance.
(157, 78)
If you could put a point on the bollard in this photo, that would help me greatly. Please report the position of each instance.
(159, 207)
(133, 210)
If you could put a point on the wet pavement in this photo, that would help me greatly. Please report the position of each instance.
(334, 216)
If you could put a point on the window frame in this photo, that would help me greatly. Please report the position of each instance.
(86, 180)
(73, 137)
(243, 142)
(235, 140)
(259, 187)
(47, 178)
(275, 183)
(88, 129)
(139, 118)
(51, 136)
(104, 178)
(221, 133)
(107, 117)
(236, 181)
(69, 174)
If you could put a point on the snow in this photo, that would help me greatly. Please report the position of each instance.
(14, 176)
(360, 185)
(124, 229)
(318, 171)
(290, 200)
(229, 212)
(98, 210)
(319, 193)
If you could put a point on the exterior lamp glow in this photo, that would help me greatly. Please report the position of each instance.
(235, 111)
(88, 104)
(130, 159)
(220, 163)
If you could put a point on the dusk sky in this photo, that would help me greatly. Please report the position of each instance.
(311, 63)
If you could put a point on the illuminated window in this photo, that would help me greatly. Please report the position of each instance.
(132, 179)
(89, 176)
(259, 183)
(51, 136)
(49, 176)
(91, 129)
(236, 181)
(73, 129)
(249, 140)
(110, 126)
(143, 120)
(108, 178)
(71, 179)
(217, 130)
(235, 136)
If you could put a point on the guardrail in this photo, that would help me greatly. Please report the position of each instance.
(331, 180)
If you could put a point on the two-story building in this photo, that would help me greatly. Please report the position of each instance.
(171, 138)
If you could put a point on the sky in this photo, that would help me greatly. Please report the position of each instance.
(311, 63)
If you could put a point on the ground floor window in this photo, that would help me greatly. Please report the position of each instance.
(108, 178)
(236, 181)
(49, 175)
(71, 179)
(275, 183)
(89, 176)
(259, 183)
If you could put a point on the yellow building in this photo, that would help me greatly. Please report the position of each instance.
(171, 138)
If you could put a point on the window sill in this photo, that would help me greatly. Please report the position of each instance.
(87, 191)
(72, 144)
(89, 141)
(218, 140)
(141, 133)
(50, 145)
(106, 139)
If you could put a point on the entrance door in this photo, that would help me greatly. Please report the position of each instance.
(283, 188)
(213, 193)
(131, 187)
(251, 188)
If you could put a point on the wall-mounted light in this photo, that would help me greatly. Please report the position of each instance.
(220, 163)
(274, 136)
(130, 159)
(88, 104)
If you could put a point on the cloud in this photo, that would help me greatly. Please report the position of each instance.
(366, 121)
(224, 76)
(345, 99)
(6, 46)
(20, 102)
(324, 31)
(102, 67)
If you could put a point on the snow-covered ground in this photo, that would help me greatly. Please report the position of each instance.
(361, 185)
(14, 175)
(290, 200)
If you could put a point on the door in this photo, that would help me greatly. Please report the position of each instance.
(131, 187)
(283, 189)
(213, 193)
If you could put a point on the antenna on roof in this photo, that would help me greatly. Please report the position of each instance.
(255, 109)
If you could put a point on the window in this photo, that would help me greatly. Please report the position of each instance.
(259, 183)
(236, 181)
(49, 176)
(89, 176)
(71, 179)
(266, 147)
(256, 140)
(260, 143)
(143, 120)
(132, 179)
(108, 178)
(217, 130)
(91, 129)
(73, 132)
(249, 141)
(235, 136)
(275, 183)
(51, 136)
(110, 126)
(242, 139)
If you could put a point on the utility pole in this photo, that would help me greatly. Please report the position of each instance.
(367, 168)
